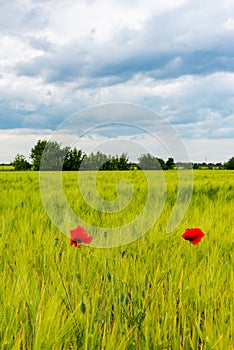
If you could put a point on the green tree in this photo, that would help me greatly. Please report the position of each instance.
(149, 162)
(53, 156)
(36, 153)
(229, 164)
(95, 161)
(123, 163)
(73, 159)
(21, 163)
(101, 161)
(162, 163)
(196, 166)
(170, 163)
(110, 164)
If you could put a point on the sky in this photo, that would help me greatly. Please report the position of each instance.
(172, 57)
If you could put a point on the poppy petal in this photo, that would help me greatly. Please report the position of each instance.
(80, 235)
(194, 235)
(88, 240)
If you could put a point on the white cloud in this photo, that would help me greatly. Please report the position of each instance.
(229, 24)
(101, 20)
(13, 141)
(206, 150)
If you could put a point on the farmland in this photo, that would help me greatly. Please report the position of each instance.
(159, 292)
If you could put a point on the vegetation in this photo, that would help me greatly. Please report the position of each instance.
(56, 157)
(230, 164)
(159, 292)
(100, 161)
(37, 151)
(6, 167)
(73, 159)
(21, 163)
(149, 162)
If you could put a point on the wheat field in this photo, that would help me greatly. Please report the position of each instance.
(159, 292)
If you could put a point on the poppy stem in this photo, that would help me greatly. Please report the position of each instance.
(67, 295)
(63, 284)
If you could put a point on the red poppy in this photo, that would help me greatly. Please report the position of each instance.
(79, 235)
(194, 235)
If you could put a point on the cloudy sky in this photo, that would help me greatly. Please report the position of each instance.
(175, 57)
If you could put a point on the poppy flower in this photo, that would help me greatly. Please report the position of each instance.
(79, 235)
(194, 235)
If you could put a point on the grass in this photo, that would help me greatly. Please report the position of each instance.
(159, 292)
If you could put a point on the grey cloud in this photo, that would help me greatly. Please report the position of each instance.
(165, 48)
(190, 40)
(36, 17)
(220, 128)
(64, 63)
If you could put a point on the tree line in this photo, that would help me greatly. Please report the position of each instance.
(50, 155)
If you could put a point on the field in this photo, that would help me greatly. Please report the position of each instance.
(159, 292)
(6, 167)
